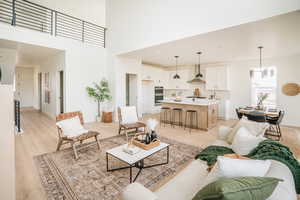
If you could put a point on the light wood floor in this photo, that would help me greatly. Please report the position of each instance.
(40, 137)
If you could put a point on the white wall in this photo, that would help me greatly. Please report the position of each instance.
(7, 144)
(25, 86)
(121, 67)
(240, 85)
(52, 65)
(136, 24)
(84, 64)
(8, 59)
(91, 10)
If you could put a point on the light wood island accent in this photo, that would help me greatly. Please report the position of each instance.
(207, 111)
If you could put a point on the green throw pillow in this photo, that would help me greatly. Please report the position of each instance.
(242, 188)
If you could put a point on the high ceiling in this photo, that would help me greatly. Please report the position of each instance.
(279, 35)
(28, 55)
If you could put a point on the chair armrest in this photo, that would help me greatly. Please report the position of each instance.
(136, 191)
(223, 132)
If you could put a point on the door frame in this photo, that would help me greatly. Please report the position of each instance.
(40, 91)
(61, 90)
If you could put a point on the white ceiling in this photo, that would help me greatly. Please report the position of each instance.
(28, 55)
(279, 35)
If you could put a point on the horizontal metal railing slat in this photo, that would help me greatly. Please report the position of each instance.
(30, 15)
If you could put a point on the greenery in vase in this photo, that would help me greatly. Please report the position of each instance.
(100, 92)
(261, 98)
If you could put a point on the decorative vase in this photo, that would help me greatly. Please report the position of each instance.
(148, 138)
(153, 135)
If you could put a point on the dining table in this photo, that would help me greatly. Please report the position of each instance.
(267, 112)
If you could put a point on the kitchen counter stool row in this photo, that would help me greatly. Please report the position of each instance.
(173, 116)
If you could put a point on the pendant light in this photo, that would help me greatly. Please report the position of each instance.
(176, 76)
(199, 75)
(260, 61)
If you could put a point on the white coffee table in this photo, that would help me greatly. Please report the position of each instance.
(135, 160)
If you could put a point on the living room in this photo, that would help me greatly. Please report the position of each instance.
(152, 110)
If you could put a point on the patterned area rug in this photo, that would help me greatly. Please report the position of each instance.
(87, 179)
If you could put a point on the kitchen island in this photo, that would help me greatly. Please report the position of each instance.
(207, 110)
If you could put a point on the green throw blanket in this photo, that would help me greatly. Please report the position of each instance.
(266, 150)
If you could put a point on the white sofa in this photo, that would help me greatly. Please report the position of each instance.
(191, 179)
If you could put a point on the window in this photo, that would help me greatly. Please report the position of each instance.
(262, 82)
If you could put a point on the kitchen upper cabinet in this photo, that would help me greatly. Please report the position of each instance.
(217, 78)
(154, 74)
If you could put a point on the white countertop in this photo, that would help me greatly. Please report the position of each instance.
(198, 102)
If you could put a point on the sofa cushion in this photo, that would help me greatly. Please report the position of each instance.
(255, 128)
(231, 168)
(244, 142)
(136, 191)
(286, 189)
(186, 183)
(246, 188)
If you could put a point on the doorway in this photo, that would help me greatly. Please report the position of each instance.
(61, 92)
(131, 90)
(40, 91)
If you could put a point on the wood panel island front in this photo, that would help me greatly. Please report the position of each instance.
(207, 110)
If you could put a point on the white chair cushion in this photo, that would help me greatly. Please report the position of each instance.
(71, 127)
(244, 142)
(129, 115)
(231, 168)
(136, 191)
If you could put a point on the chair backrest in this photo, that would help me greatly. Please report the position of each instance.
(69, 115)
(127, 115)
(280, 117)
(239, 114)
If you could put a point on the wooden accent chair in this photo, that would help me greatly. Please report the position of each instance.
(134, 127)
(72, 140)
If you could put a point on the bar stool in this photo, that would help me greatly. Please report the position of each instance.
(177, 111)
(193, 115)
(164, 111)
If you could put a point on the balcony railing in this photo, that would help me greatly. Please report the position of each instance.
(29, 15)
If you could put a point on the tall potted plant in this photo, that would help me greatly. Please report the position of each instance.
(101, 93)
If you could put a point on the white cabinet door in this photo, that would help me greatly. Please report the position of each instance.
(222, 77)
(217, 78)
(211, 78)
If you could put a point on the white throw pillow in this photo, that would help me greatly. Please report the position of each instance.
(244, 142)
(71, 127)
(129, 115)
(231, 168)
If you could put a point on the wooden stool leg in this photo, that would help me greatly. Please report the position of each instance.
(59, 144)
(74, 150)
(98, 142)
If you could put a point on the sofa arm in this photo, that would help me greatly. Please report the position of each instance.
(223, 132)
(136, 191)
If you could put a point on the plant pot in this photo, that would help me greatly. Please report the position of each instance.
(107, 117)
(98, 118)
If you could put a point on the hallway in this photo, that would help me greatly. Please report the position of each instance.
(40, 136)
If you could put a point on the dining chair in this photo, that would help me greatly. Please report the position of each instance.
(238, 113)
(275, 130)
